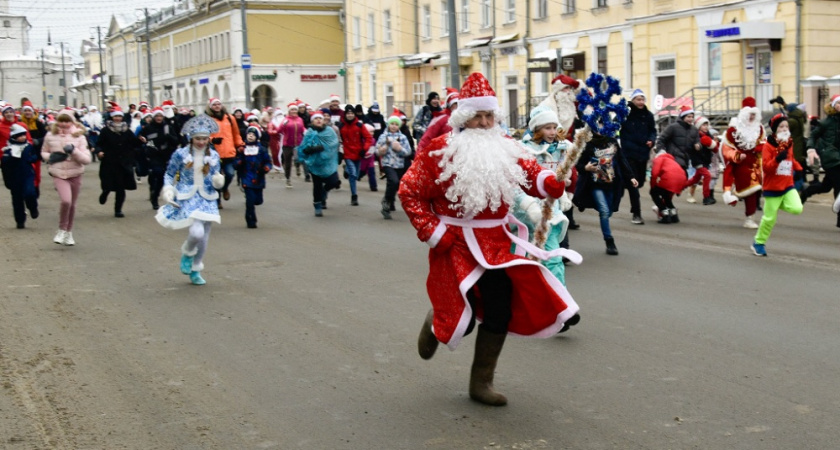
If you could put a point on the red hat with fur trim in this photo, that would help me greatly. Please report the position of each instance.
(27, 104)
(452, 96)
(748, 102)
(477, 95)
(686, 110)
(565, 80)
(834, 100)
(168, 103)
(157, 111)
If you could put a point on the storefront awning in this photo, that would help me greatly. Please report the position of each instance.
(505, 38)
(417, 60)
(480, 42)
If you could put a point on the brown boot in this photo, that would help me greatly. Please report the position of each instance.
(427, 343)
(487, 348)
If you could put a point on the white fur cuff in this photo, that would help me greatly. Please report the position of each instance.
(440, 230)
(188, 252)
(218, 181)
(541, 181)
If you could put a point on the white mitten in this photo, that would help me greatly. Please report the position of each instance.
(836, 206)
(729, 198)
(218, 181)
(168, 194)
(188, 159)
(565, 202)
(532, 208)
(208, 160)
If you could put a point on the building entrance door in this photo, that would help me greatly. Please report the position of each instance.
(764, 79)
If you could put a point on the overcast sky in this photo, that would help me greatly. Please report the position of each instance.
(73, 20)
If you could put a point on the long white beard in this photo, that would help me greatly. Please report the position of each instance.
(566, 112)
(782, 136)
(168, 112)
(485, 168)
(94, 119)
(747, 132)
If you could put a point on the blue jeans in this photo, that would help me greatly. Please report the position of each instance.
(352, 168)
(229, 170)
(603, 203)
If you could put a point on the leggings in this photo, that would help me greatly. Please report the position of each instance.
(68, 192)
(196, 242)
(286, 158)
(789, 202)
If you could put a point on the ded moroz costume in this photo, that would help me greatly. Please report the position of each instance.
(741, 149)
(457, 194)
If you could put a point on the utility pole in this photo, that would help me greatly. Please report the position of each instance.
(64, 75)
(101, 70)
(454, 67)
(43, 80)
(149, 57)
(247, 71)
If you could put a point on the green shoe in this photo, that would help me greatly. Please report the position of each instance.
(195, 278)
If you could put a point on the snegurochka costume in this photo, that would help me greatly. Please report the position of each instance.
(190, 194)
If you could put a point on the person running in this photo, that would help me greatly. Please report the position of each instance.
(65, 149)
(778, 161)
(17, 165)
(226, 141)
(37, 130)
(429, 111)
(638, 135)
(291, 130)
(160, 141)
(741, 149)
(355, 139)
(667, 179)
(393, 148)
(319, 151)
(116, 150)
(253, 162)
(824, 147)
(191, 191)
(275, 138)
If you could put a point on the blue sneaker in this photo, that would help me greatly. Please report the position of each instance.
(186, 264)
(195, 278)
(758, 249)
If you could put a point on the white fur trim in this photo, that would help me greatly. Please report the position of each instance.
(218, 181)
(184, 223)
(541, 181)
(543, 118)
(730, 199)
(440, 230)
(460, 116)
(184, 250)
(836, 207)
(488, 103)
(198, 267)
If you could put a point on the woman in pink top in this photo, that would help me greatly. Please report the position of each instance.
(291, 129)
(65, 149)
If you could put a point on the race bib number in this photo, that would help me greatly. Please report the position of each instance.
(785, 168)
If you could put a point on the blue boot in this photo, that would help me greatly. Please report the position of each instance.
(195, 278)
(186, 264)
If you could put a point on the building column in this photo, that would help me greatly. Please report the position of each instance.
(811, 94)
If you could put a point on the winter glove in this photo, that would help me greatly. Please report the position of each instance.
(57, 157)
(812, 155)
(168, 195)
(69, 148)
(553, 187)
(218, 181)
(565, 202)
(782, 156)
(532, 208)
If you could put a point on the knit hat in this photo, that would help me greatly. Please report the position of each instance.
(776, 121)
(67, 112)
(638, 93)
(349, 109)
(834, 99)
(561, 81)
(699, 121)
(325, 111)
(201, 125)
(374, 107)
(255, 131)
(16, 130)
(395, 117)
(432, 95)
(685, 110)
(748, 102)
(476, 95)
(542, 115)
(214, 100)
(452, 97)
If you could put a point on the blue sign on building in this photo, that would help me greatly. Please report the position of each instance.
(723, 32)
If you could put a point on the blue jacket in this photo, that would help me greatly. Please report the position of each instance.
(253, 168)
(319, 151)
(391, 157)
(18, 172)
(637, 130)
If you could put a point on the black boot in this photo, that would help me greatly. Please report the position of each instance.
(611, 248)
(427, 343)
(665, 216)
(675, 218)
(386, 210)
(354, 200)
(488, 346)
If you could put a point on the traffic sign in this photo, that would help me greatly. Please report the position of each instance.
(246, 61)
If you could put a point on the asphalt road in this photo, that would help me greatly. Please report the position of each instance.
(305, 336)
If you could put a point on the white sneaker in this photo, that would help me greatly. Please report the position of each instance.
(288, 184)
(68, 238)
(750, 223)
(690, 200)
(59, 237)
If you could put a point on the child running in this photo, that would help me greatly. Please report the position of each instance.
(253, 162)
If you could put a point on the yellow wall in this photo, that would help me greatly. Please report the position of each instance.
(295, 39)
(190, 33)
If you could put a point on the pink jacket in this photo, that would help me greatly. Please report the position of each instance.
(74, 166)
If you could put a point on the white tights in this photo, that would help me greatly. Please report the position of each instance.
(197, 242)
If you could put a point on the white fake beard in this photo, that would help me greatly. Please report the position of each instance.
(485, 168)
(168, 113)
(94, 119)
(782, 136)
(746, 132)
(566, 111)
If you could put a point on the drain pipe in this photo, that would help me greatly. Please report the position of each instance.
(798, 48)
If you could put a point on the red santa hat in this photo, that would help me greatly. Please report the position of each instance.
(561, 81)
(112, 104)
(476, 95)
(452, 97)
(748, 102)
(7, 106)
(27, 105)
(834, 100)
(686, 110)
(316, 115)
(335, 98)
(214, 100)
(395, 117)
(293, 105)
(143, 105)
(699, 121)
(157, 111)
(117, 111)
(168, 103)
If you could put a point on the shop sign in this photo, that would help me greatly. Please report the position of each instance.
(203, 81)
(723, 32)
(749, 61)
(539, 65)
(319, 77)
(181, 85)
(573, 62)
(270, 77)
(510, 50)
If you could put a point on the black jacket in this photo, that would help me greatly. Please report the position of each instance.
(679, 139)
(619, 169)
(161, 142)
(116, 171)
(636, 132)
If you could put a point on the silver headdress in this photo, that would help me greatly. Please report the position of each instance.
(201, 125)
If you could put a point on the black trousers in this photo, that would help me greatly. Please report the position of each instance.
(495, 290)
(639, 173)
(393, 177)
(661, 198)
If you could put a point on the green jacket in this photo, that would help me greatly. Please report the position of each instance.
(825, 138)
(797, 120)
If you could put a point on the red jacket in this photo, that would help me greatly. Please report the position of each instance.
(667, 173)
(778, 176)
(438, 127)
(355, 138)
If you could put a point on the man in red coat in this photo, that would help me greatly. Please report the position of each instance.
(741, 149)
(457, 195)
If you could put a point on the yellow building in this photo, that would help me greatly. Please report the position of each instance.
(709, 53)
(295, 50)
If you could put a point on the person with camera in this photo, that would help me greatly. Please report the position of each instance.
(160, 140)
(392, 148)
(65, 149)
(226, 141)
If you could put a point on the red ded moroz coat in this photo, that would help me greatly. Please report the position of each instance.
(540, 303)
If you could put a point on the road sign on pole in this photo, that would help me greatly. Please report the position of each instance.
(246, 61)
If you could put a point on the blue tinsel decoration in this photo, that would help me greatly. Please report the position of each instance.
(606, 117)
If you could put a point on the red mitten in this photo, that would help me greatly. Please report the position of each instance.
(554, 188)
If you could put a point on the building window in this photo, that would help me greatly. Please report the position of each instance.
(629, 75)
(418, 93)
(569, 7)
(372, 93)
(542, 9)
(371, 37)
(602, 59)
(599, 4)
(386, 25)
(465, 15)
(510, 11)
(358, 87)
(427, 22)
(7, 23)
(486, 13)
(357, 32)
(444, 19)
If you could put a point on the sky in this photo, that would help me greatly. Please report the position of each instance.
(73, 20)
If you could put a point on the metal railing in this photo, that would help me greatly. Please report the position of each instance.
(719, 103)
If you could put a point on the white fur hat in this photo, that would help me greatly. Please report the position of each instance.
(542, 115)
